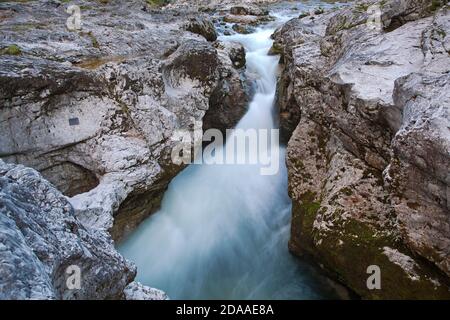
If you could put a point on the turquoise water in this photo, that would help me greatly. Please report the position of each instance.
(223, 230)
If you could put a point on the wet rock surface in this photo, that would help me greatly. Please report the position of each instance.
(95, 109)
(368, 152)
(41, 240)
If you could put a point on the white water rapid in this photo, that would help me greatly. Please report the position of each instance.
(222, 231)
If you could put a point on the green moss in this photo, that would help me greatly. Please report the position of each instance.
(27, 26)
(441, 33)
(298, 164)
(303, 15)
(311, 208)
(276, 49)
(347, 191)
(319, 10)
(350, 246)
(435, 4)
(13, 50)
(363, 233)
(93, 39)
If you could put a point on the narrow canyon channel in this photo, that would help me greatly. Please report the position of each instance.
(222, 231)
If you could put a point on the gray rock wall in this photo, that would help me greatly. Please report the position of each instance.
(40, 239)
(95, 109)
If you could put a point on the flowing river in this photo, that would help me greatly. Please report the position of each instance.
(222, 230)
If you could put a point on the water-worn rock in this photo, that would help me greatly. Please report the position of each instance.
(137, 291)
(367, 114)
(41, 240)
(229, 101)
(95, 109)
(247, 20)
(245, 17)
(235, 51)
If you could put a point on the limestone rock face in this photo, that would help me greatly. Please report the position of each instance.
(137, 291)
(96, 109)
(251, 10)
(418, 173)
(202, 26)
(366, 113)
(42, 242)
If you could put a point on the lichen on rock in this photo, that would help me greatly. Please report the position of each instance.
(368, 155)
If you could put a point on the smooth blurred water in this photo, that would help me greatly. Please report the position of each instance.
(222, 231)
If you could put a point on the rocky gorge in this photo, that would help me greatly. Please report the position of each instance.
(364, 111)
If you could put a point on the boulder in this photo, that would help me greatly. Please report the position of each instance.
(229, 101)
(243, 29)
(44, 244)
(137, 291)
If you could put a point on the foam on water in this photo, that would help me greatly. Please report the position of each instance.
(223, 230)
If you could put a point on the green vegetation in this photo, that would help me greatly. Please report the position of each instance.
(362, 7)
(27, 26)
(13, 50)
(441, 33)
(435, 4)
(276, 49)
(93, 39)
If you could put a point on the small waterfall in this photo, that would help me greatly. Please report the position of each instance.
(222, 231)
